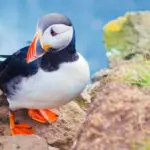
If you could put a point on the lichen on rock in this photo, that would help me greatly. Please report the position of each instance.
(130, 38)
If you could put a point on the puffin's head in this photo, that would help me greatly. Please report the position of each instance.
(54, 33)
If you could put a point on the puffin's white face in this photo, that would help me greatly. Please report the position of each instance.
(54, 33)
(57, 36)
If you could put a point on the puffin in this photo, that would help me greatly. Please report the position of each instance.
(44, 75)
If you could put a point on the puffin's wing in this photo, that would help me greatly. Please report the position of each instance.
(5, 56)
(15, 65)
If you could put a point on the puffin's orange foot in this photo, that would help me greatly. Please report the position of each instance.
(19, 128)
(36, 115)
(22, 129)
(49, 115)
(43, 115)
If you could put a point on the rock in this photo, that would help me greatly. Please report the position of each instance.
(53, 148)
(59, 135)
(118, 119)
(87, 95)
(100, 74)
(97, 80)
(128, 37)
(62, 133)
(23, 143)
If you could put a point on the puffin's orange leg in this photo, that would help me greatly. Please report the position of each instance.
(18, 128)
(43, 115)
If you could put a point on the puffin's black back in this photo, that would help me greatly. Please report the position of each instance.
(14, 66)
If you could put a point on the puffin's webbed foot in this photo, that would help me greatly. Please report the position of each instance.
(43, 115)
(19, 128)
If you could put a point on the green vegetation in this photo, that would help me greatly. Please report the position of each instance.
(138, 75)
(81, 102)
(144, 146)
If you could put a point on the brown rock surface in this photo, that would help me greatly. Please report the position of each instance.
(23, 143)
(60, 134)
(118, 119)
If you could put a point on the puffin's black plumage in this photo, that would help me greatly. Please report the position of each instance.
(16, 66)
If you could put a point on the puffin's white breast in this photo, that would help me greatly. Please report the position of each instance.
(52, 89)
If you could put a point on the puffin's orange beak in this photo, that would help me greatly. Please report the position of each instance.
(31, 54)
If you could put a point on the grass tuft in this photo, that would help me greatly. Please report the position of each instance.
(139, 76)
(145, 145)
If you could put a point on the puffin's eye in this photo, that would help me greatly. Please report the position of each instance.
(53, 33)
